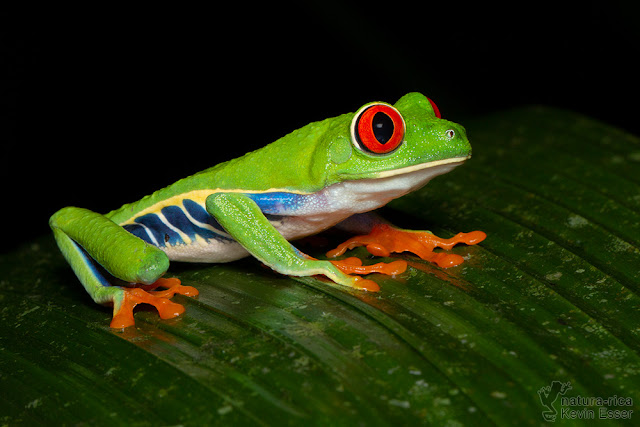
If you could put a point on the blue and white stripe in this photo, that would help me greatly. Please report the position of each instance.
(185, 231)
(177, 225)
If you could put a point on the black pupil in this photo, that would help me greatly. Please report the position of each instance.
(382, 127)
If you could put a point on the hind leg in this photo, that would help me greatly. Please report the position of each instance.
(90, 241)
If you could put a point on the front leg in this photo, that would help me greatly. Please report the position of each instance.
(381, 239)
(242, 218)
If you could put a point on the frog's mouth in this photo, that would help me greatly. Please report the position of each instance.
(452, 162)
(443, 166)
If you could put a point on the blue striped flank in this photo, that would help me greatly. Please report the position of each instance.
(162, 234)
(191, 219)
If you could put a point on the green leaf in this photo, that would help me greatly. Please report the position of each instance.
(550, 295)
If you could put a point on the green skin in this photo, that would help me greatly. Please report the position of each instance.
(308, 161)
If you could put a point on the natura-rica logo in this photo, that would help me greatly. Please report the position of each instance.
(580, 407)
(549, 394)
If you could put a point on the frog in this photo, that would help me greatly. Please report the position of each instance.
(332, 173)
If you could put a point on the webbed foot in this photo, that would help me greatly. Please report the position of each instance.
(354, 265)
(385, 239)
(125, 301)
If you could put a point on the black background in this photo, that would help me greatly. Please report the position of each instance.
(104, 105)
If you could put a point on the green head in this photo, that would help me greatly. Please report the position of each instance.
(378, 141)
(385, 140)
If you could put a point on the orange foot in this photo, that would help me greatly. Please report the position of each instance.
(354, 265)
(385, 239)
(124, 305)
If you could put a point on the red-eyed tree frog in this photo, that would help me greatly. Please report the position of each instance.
(328, 173)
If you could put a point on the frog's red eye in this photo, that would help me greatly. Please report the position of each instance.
(435, 108)
(377, 128)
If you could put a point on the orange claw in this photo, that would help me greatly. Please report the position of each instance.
(123, 312)
(385, 239)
